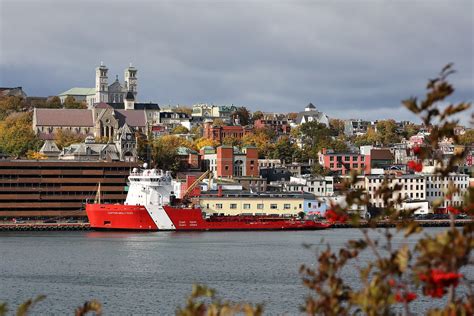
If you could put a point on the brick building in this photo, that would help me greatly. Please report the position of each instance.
(343, 163)
(218, 133)
(229, 162)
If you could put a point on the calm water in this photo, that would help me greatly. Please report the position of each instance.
(152, 273)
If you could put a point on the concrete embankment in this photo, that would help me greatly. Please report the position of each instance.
(43, 226)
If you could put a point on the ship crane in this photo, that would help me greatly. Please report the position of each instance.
(195, 183)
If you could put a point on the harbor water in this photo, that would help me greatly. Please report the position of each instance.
(152, 273)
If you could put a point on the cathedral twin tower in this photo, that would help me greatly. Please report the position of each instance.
(115, 93)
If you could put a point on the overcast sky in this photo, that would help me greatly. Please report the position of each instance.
(350, 58)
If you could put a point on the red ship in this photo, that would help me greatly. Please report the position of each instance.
(151, 206)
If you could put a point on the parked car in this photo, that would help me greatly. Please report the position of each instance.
(71, 221)
(461, 216)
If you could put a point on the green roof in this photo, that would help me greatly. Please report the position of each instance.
(78, 91)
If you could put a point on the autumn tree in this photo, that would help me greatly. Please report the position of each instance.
(257, 115)
(336, 127)
(467, 138)
(218, 122)
(180, 129)
(164, 152)
(231, 141)
(262, 138)
(54, 103)
(410, 129)
(197, 131)
(203, 142)
(17, 135)
(71, 103)
(64, 138)
(387, 132)
(242, 114)
(11, 104)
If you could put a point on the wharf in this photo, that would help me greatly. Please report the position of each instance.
(422, 223)
(43, 226)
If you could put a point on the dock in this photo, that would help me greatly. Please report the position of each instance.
(44, 226)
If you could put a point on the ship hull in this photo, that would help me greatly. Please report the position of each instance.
(131, 217)
(119, 217)
(192, 220)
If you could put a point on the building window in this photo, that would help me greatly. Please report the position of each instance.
(218, 206)
(260, 206)
(286, 206)
(246, 206)
(273, 206)
(233, 206)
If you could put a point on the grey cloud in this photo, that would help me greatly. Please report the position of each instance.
(346, 57)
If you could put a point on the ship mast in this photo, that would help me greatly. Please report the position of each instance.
(97, 195)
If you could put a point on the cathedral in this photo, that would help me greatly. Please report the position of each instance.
(115, 93)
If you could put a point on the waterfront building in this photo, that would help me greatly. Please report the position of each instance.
(412, 187)
(39, 188)
(438, 186)
(235, 203)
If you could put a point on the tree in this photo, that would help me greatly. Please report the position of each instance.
(197, 131)
(64, 138)
(231, 141)
(257, 115)
(143, 146)
(164, 152)
(9, 105)
(369, 138)
(54, 103)
(180, 129)
(262, 138)
(318, 170)
(387, 132)
(284, 150)
(203, 142)
(336, 126)
(17, 136)
(70, 103)
(218, 122)
(36, 155)
(467, 138)
(243, 114)
(410, 129)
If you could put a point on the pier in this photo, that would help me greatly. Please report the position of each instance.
(43, 226)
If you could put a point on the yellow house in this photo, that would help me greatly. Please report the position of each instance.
(284, 204)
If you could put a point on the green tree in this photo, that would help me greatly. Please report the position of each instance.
(243, 114)
(284, 150)
(54, 103)
(318, 170)
(257, 115)
(180, 129)
(17, 135)
(71, 103)
(410, 129)
(64, 138)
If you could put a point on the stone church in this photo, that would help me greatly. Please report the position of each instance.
(115, 93)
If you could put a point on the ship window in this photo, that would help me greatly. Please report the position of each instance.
(286, 206)
(233, 206)
(273, 206)
(218, 206)
(260, 206)
(246, 206)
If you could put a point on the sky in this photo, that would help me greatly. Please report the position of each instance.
(351, 59)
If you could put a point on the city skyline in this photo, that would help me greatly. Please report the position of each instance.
(271, 58)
